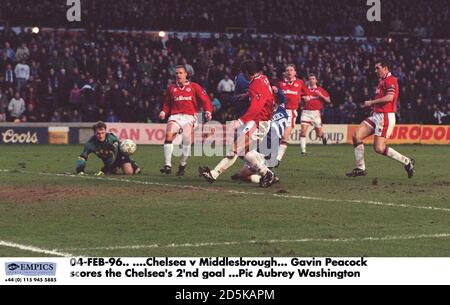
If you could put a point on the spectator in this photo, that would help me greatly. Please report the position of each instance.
(111, 117)
(22, 73)
(3, 103)
(22, 52)
(30, 114)
(358, 31)
(226, 85)
(9, 75)
(215, 103)
(75, 94)
(439, 114)
(16, 107)
(76, 116)
(9, 53)
(56, 117)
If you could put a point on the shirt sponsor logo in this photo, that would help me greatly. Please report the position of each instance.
(183, 98)
(290, 92)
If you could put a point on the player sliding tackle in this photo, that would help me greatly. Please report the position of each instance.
(381, 123)
(311, 111)
(274, 138)
(182, 101)
(251, 128)
(107, 147)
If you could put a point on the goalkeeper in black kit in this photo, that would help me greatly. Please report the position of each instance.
(107, 147)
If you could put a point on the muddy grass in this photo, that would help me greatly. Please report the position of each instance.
(35, 194)
(52, 193)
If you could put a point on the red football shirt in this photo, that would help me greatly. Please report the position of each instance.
(315, 102)
(293, 91)
(186, 99)
(262, 100)
(388, 85)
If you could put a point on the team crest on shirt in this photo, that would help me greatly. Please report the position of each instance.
(188, 89)
(258, 97)
(296, 85)
(175, 90)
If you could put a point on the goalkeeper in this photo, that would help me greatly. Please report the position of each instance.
(107, 147)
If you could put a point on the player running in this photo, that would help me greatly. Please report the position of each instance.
(381, 123)
(182, 101)
(107, 147)
(252, 127)
(294, 89)
(311, 114)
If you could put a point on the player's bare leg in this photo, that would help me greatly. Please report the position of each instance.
(380, 147)
(321, 135)
(172, 131)
(284, 144)
(303, 132)
(362, 132)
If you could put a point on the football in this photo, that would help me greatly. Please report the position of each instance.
(128, 147)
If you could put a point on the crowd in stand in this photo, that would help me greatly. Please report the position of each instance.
(94, 75)
(319, 17)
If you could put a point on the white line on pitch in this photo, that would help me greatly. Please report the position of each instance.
(370, 202)
(271, 241)
(34, 249)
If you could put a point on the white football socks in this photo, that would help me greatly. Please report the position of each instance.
(168, 150)
(185, 153)
(223, 165)
(303, 144)
(391, 153)
(359, 157)
(281, 151)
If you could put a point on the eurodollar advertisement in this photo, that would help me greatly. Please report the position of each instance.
(335, 134)
(412, 134)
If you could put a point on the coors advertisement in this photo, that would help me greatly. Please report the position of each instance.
(23, 135)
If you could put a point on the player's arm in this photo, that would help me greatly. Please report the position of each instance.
(167, 100)
(280, 97)
(305, 93)
(389, 97)
(324, 96)
(256, 105)
(82, 159)
(205, 101)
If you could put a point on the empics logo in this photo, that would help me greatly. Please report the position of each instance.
(30, 268)
(13, 267)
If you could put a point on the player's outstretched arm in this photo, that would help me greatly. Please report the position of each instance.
(82, 159)
(80, 165)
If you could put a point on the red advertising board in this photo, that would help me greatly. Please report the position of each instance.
(412, 134)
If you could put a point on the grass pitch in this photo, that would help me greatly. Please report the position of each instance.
(315, 211)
